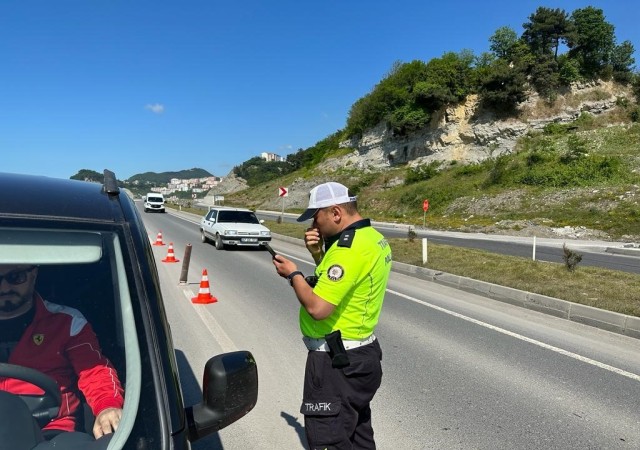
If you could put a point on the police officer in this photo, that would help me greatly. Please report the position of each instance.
(340, 307)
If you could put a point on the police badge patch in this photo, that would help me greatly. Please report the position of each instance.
(335, 272)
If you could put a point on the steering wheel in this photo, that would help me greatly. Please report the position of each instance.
(43, 407)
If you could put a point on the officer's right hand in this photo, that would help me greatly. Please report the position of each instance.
(313, 241)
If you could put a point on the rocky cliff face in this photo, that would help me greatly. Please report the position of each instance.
(230, 183)
(466, 134)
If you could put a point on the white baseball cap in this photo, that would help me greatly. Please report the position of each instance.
(324, 195)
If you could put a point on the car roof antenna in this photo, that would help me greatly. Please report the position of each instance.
(110, 183)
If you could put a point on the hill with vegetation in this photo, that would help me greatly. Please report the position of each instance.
(162, 178)
(579, 170)
(584, 175)
(414, 95)
(146, 179)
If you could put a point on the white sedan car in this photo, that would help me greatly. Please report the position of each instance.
(233, 226)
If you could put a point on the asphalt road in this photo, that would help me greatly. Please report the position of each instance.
(593, 252)
(460, 370)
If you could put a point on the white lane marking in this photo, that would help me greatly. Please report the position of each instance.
(212, 325)
(604, 366)
(584, 359)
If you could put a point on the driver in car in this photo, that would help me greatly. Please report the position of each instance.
(58, 341)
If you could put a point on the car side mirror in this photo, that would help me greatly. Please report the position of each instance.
(230, 391)
(261, 221)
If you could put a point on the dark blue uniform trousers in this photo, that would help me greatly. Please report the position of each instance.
(336, 402)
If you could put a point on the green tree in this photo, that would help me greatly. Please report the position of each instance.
(481, 68)
(447, 80)
(591, 41)
(88, 175)
(546, 77)
(256, 170)
(324, 147)
(503, 87)
(502, 42)
(568, 70)
(408, 118)
(546, 29)
(522, 56)
(622, 62)
(313, 155)
(411, 92)
(297, 159)
(393, 92)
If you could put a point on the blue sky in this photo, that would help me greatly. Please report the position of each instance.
(138, 85)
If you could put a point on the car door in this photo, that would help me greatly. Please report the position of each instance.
(209, 221)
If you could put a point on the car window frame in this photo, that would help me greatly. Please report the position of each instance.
(119, 256)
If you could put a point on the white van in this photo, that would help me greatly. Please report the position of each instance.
(153, 202)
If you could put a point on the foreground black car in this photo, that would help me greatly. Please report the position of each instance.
(94, 255)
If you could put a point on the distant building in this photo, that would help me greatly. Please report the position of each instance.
(271, 157)
(198, 185)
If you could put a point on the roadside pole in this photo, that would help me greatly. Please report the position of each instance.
(424, 251)
(184, 273)
(425, 207)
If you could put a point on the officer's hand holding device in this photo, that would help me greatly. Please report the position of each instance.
(270, 250)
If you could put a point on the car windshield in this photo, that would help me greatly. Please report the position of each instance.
(237, 217)
(88, 270)
(154, 199)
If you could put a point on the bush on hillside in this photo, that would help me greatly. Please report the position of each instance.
(408, 118)
(503, 87)
(422, 173)
(257, 170)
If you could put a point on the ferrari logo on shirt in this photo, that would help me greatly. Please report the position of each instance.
(335, 272)
(38, 339)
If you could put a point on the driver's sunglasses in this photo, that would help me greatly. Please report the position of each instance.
(16, 277)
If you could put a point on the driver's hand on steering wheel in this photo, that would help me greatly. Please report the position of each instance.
(107, 422)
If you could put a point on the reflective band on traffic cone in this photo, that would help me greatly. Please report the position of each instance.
(159, 239)
(204, 295)
(171, 258)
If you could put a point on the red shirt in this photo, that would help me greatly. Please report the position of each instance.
(60, 343)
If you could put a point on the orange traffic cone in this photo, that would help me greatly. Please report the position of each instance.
(159, 239)
(171, 257)
(204, 295)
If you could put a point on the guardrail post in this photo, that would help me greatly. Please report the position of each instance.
(185, 265)
(424, 250)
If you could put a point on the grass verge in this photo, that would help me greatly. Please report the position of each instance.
(611, 290)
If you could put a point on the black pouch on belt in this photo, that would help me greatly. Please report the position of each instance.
(337, 352)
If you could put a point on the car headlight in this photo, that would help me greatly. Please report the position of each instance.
(265, 233)
(231, 232)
